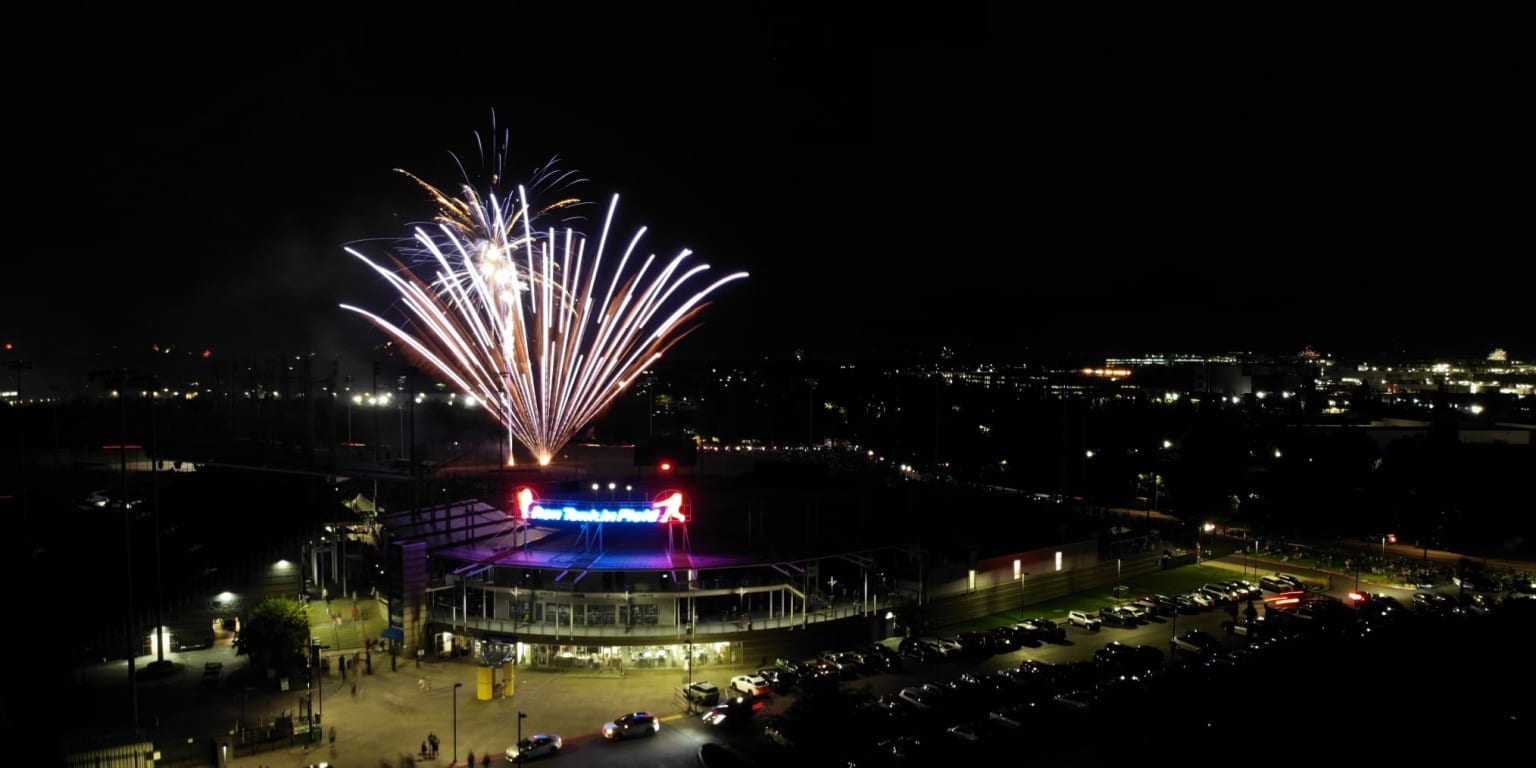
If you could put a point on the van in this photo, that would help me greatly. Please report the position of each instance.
(1276, 584)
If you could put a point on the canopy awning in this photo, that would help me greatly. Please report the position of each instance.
(393, 633)
(360, 504)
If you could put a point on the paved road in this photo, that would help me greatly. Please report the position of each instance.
(392, 712)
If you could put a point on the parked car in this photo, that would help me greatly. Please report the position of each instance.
(1077, 700)
(976, 644)
(535, 746)
(919, 698)
(1249, 590)
(1433, 602)
(1005, 639)
(631, 724)
(964, 732)
(1011, 717)
(781, 681)
(970, 686)
(1196, 642)
(1219, 593)
(1125, 659)
(886, 662)
(1084, 619)
(1046, 630)
(1201, 599)
(751, 685)
(1250, 628)
(921, 652)
(703, 692)
(878, 649)
(789, 665)
(861, 661)
(1119, 616)
(831, 657)
(736, 713)
(843, 667)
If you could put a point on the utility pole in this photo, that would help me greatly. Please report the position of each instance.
(154, 489)
(119, 380)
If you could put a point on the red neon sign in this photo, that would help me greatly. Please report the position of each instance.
(667, 507)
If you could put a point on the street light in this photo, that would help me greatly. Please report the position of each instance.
(456, 687)
(315, 658)
(520, 717)
(1087, 476)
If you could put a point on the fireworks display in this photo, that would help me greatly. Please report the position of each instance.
(533, 322)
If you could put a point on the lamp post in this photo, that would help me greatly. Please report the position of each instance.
(1087, 477)
(314, 670)
(1175, 624)
(456, 687)
(1022, 578)
(520, 717)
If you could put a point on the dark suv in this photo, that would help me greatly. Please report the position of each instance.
(782, 680)
(799, 669)
(1125, 659)
(1119, 616)
(1046, 630)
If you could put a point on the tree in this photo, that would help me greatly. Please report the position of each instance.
(274, 633)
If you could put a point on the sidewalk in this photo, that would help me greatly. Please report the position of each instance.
(392, 713)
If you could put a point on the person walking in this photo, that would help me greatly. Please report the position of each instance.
(424, 751)
(471, 760)
(432, 739)
(485, 761)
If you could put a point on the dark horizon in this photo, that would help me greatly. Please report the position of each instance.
(890, 192)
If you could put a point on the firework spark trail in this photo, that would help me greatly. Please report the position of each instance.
(511, 314)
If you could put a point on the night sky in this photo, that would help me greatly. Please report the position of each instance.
(893, 186)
